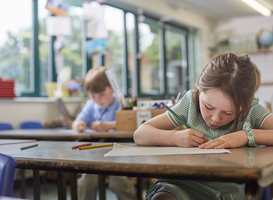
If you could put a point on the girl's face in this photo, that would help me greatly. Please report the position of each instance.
(216, 108)
(104, 99)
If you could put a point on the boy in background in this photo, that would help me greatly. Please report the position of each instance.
(99, 114)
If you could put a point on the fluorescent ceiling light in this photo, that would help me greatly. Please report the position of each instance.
(258, 7)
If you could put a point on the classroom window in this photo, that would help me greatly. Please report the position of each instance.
(149, 57)
(114, 24)
(44, 40)
(176, 72)
(130, 25)
(72, 50)
(15, 44)
(149, 46)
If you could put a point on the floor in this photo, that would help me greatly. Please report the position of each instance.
(49, 191)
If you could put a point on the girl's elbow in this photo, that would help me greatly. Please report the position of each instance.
(135, 137)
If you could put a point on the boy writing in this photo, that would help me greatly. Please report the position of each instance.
(99, 114)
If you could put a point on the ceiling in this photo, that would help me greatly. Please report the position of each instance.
(220, 9)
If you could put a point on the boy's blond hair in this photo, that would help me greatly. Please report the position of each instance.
(96, 80)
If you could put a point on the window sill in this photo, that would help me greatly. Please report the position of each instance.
(40, 100)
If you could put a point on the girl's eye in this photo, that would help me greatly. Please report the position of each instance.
(209, 108)
(229, 114)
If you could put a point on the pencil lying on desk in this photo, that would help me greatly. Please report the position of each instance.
(95, 146)
(30, 146)
(81, 145)
(178, 118)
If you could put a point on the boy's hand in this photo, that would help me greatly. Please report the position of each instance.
(189, 138)
(79, 125)
(99, 126)
(231, 140)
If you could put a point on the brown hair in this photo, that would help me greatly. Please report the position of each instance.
(258, 77)
(235, 76)
(96, 80)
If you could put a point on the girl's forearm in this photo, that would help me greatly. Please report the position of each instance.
(263, 136)
(149, 135)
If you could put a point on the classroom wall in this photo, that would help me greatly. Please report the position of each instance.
(38, 109)
(264, 61)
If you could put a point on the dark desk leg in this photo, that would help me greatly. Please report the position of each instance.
(139, 188)
(73, 185)
(36, 185)
(253, 192)
(102, 187)
(22, 183)
(61, 185)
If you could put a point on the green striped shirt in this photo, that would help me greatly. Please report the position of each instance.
(189, 112)
(187, 189)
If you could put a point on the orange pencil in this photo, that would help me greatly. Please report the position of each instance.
(81, 145)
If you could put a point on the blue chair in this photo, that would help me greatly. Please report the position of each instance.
(7, 169)
(31, 125)
(267, 194)
(5, 126)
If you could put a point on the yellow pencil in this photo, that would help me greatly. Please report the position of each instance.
(95, 146)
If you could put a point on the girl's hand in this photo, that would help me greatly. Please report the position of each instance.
(231, 140)
(189, 138)
(99, 126)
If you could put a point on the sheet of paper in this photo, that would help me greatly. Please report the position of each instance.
(14, 141)
(122, 150)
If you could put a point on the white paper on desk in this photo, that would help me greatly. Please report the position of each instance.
(122, 150)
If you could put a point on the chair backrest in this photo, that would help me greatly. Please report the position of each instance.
(267, 194)
(5, 126)
(7, 169)
(31, 125)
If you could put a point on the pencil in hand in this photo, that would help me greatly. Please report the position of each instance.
(30, 146)
(177, 117)
(81, 145)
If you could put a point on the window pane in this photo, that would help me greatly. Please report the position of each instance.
(72, 51)
(43, 47)
(114, 24)
(149, 62)
(176, 61)
(130, 25)
(15, 34)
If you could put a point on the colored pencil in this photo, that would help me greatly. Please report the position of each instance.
(30, 146)
(81, 145)
(95, 146)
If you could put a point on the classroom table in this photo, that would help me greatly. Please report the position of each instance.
(63, 134)
(253, 165)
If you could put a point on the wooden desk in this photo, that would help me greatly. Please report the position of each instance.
(62, 134)
(252, 165)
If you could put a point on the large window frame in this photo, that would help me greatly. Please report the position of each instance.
(126, 76)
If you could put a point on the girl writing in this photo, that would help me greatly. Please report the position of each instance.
(222, 113)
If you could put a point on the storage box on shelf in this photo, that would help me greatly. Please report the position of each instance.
(127, 120)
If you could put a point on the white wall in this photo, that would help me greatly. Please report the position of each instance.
(264, 62)
(38, 109)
